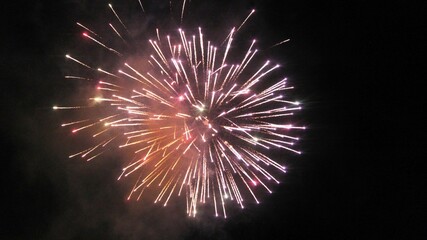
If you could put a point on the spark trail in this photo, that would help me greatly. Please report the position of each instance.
(197, 124)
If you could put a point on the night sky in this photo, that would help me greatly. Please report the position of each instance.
(354, 68)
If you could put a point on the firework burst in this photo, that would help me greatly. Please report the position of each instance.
(196, 124)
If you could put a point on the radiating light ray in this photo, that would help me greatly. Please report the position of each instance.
(182, 10)
(102, 44)
(246, 19)
(117, 32)
(77, 77)
(108, 73)
(64, 107)
(140, 4)
(94, 156)
(72, 123)
(281, 42)
(117, 16)
(86, 28)
(77, 61)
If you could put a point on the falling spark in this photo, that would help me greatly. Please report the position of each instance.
(197, 123)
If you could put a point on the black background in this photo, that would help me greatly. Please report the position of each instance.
(355, 68)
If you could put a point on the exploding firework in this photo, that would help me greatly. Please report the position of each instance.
(197, 125)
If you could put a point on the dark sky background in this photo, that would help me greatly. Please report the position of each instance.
(354, 66)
